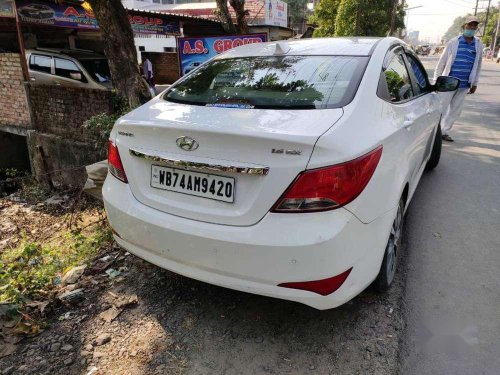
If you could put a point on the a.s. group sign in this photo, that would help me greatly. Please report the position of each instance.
(195, 51)
(77, 17)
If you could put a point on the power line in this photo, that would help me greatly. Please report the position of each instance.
(459, 5)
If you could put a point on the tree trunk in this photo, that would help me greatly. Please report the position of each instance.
(225, 17)
(120, 50)
(393, 17)
(241, 14)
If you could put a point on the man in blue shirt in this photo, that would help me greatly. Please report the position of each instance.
(461, 59)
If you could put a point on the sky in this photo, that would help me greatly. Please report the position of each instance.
(436, 16)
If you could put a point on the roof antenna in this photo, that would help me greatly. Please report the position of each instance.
(281, 48)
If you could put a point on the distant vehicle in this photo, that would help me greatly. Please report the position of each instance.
(71, 68)
(423, 50)
(193, 65)
(438, 50)
(282, 169)
(38, 11)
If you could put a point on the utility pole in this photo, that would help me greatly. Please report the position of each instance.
(475, 11)
(487, 16)
(495, 38)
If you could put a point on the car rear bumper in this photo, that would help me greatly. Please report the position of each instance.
(280, 248)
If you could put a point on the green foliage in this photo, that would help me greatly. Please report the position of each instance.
(104, 122)
(324, 17)
(11, 173)
(394, 83)
(489, 33)
(32, 268)
(347, 20)
(356, 17)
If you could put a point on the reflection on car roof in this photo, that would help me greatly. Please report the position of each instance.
(318, 46)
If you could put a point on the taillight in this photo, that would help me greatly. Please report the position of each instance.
(331, 187)
(115, 165)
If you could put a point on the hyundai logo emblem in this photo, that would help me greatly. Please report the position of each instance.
(186, 143)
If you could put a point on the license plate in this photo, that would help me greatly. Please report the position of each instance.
(193, 183)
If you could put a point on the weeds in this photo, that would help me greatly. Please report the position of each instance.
(32, 269)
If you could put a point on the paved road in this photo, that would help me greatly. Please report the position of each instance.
(453, 247)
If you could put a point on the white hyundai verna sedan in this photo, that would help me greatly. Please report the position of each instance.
(281, 169)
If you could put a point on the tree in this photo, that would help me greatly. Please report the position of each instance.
(225, 16)
(324, 15)
(489, 32)
(297, 13)
(241, 15)
(347, 22)
(358, 17)
(120, 50)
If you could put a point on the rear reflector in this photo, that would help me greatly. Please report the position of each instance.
(323, 287)
(115, 165)
(331, 187)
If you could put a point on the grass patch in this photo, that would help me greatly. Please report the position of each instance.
(32, 269)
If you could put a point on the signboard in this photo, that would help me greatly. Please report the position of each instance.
(276, 13)
(52, 14)
(76, 17)
(152, 25)
(7, 9)
(195, 51)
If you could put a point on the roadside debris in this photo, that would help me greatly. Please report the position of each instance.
(73, 275)
(72, 296)
(110, 314)
(112, 273)
(56, 199)
(119, 303)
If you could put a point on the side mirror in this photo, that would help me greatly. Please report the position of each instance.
(446, 84)
(76, 75)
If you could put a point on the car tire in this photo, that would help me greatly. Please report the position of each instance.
(436, 151)
(388, 269)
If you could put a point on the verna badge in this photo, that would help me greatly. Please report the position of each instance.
(186, 143)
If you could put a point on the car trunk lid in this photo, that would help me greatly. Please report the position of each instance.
(262, 150)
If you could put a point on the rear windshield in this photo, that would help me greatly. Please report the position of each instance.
(279, 82)
(98, 69)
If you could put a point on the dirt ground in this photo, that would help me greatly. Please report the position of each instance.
(146, 320)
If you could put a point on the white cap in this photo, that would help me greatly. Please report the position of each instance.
(470, 19)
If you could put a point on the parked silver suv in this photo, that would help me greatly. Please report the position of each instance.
(71, 68)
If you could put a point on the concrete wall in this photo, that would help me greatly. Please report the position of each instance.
(60, 146)
(14, 111)
(60, 161)
(63, 110)
(153, 43)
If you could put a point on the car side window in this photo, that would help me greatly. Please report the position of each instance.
(422, 83)
(68, 69)
(40, 63)
(398, 80)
